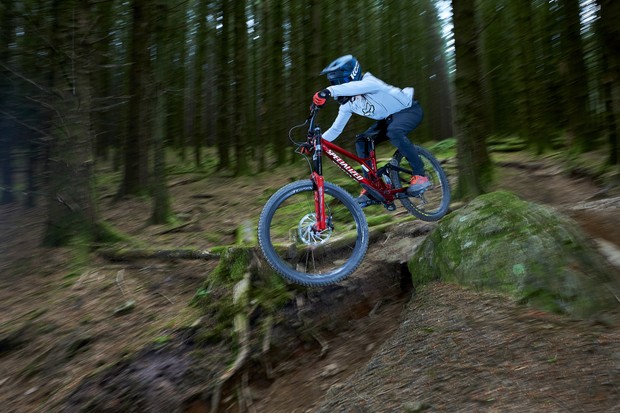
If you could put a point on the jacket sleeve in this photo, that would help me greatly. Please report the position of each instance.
(344, 114)
(360, 87)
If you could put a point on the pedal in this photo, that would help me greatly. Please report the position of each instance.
(390, 206)
(368, 203)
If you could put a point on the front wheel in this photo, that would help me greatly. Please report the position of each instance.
(292, 246)
(433, 203)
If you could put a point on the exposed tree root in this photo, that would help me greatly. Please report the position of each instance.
(241, 296)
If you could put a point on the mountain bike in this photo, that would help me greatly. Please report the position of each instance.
(314, 233)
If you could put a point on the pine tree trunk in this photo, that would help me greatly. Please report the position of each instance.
(136, 147)
(6, 130)
(474, 165)
(609, 34)
(240, 93)
(162, 210)
(525, 70)
(103, 115)
(438, 103)
(276, 72)
(223, 70)
(72, 213)
(573, 70)
(198, 97)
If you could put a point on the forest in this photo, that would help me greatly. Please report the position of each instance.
(140, 139)
(216, 85)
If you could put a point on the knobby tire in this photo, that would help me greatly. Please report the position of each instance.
(434, 203)
(301, 255)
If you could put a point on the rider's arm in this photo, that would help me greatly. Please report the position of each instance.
(344, 114)
(368, 84)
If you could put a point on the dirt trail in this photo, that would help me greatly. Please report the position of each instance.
(65, 328)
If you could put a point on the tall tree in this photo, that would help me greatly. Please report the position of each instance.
(223, 80)
(498, 64)
(162, 210)
(474, 165)
(7, 128)
(104, 103)
(438, 97)
(573, 70)
(240, 108)
(609, 35)
(176, 78)
(277, 88)
(72, 212)
(527, 92)
(198, 135)
(136, 146)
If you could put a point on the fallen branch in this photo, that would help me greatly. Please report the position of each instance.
(123, 254)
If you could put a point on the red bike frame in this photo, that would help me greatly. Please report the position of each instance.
(379, 189)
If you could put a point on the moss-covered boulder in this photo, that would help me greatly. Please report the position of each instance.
(532, 252)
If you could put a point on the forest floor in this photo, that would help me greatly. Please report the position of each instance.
(437, 348)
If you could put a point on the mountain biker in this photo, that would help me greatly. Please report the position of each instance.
(395, 110)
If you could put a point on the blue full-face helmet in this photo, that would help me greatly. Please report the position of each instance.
(343, 70)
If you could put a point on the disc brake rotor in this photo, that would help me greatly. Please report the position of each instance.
(308, 235)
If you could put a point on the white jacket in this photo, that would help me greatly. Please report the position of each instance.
(370, 97)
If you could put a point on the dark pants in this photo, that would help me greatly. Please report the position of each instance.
(395, 129)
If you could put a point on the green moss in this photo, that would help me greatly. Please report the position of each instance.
(506, 144)
(233, 264)
(379, 219)
(106, 233)
(272, 293)
(445, 148)
(501, 243)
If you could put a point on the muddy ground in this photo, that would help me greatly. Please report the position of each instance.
(437, 348)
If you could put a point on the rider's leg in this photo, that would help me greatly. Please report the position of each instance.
(362, 144)
(362, 148)
(361, 141)
(399, 125)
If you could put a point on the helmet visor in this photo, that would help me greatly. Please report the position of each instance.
(337, 79)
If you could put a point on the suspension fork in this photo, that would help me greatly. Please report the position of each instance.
(319, 186)
(319, 201)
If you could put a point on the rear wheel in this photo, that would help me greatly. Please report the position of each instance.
(291, 244)
(432, 203)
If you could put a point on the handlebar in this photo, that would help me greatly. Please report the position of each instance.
(312, 129)
(313, 132)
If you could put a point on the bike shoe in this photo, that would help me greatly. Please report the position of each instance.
(365, 199)
(418, 184)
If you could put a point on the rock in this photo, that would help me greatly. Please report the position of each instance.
(499, 242)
